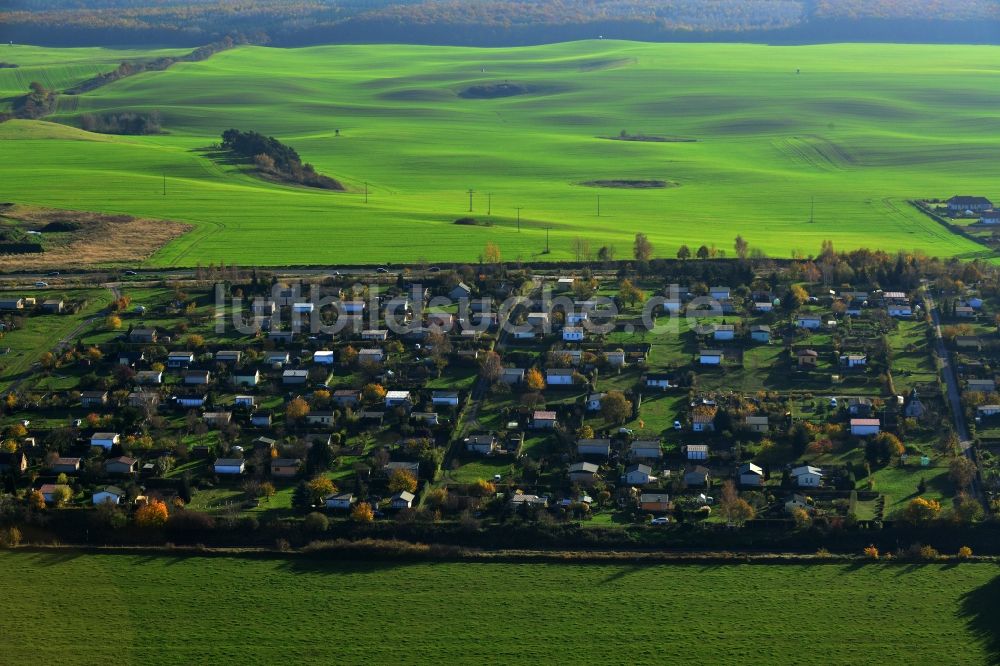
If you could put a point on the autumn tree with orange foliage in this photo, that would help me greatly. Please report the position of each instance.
(153, 514)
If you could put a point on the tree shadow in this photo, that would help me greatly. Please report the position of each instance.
(980, 608)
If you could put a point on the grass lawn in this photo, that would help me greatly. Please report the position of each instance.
(41, 333)
(863, 128)
(178, 609)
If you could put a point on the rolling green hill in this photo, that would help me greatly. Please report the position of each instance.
(861, 129)
(86, 609)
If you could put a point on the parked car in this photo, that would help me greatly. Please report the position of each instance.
(659, 520)
(40, 283)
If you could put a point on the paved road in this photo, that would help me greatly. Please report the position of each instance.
(953, 391)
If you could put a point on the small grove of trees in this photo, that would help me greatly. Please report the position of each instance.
(274, 158)
(126, 122)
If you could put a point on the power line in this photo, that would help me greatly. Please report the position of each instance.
(471, 192)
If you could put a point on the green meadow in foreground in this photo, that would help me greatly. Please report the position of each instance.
(787, 159)
(86, 609)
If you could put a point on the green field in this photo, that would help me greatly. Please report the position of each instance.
(85, 609)
(859, 131)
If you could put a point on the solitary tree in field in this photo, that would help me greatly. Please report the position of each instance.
(491, 254)
(703, 252)
(606, 253)
(642, 248)
(742, 247)
(683, 253)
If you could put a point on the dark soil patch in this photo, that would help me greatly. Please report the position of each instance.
(607, 63)
(473, 222)
(7, 65)
(494, 90)
(630, 184)
(650, 138)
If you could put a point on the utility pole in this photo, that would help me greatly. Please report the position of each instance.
(812, 209)
(489, 203)
(366, 191)
(547, 239)
(518, 209)
(471, 192)
(164, 184)
(598, 205)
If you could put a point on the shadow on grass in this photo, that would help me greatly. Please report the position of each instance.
(980, 608)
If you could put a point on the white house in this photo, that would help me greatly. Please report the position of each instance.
(639, 475)
(900, 310)
(228, 356)
(724, 332)
(108, 494)
(303, 308)
(449, 398)
(323, 357)
(763, 306)
(751, 475)
(105, 440)
(512, 375)
(810, 322)
(291, 377)
(854, 360)
(543, 419)
(559, 377)
(572, 334)
(710, 357)
(760, 333)
(190, 400)
(244, 401)
(179, 359)
(645, 449)
(594, 402)
(864, 427)
(482, 444)
(574, 318)
(988, 410)
(593, 447)
(807, 476)
(720, 293)
(658, 380)
(703, 422)
(402, 500)
(696, 451)
(616, 358)
(339, 501)
(246, 377)
(370, 356)
(396, 398)
(231, 466)
(375, 335)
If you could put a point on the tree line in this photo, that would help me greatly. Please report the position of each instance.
(296, 22)
(274, 159)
